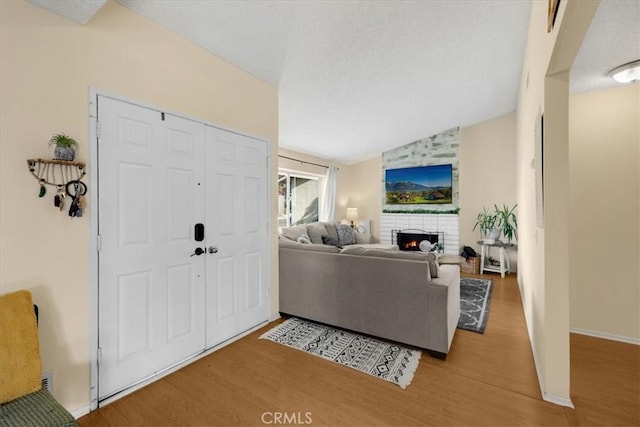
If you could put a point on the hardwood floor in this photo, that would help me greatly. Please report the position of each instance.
(487, 380)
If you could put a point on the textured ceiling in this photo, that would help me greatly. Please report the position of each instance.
(357, 78)
(77, 11)
(613, 39)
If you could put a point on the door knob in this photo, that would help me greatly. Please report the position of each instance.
(198, 252)
(213, 250)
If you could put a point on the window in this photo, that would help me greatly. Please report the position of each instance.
(297, 198)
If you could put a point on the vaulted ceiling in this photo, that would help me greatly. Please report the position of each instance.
(357, 78)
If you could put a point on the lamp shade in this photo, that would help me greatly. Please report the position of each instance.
(352, 214)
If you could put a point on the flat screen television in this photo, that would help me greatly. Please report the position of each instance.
(420, 185)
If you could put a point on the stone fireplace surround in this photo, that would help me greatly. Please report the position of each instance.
(437, 149)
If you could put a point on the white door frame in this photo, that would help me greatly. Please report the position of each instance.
(94, 241)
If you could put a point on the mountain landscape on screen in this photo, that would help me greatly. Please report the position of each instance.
(419, 185)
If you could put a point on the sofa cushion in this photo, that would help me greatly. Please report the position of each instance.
(428, 257)
(20, 364)
(332, 231)
(450, 259)
(316, 230)
(434, 265)
(346, 236)
(363, 238)
(383, 253)
(295, 231)
(309, 247)
(329, 240)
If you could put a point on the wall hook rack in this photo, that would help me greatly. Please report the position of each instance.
(56, 172)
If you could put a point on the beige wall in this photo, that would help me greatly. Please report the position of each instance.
(543, 253)
(47, 65)
(604, 142)
(365, 192)
(487, 173)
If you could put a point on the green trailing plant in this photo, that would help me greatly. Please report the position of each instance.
(508, 221)
(62, 140)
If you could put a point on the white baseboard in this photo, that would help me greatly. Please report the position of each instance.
(275, 317)
(81, 412)
(546, 396)
(605, 335)
(558, 400)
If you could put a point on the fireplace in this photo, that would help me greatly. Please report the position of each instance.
(409, 240)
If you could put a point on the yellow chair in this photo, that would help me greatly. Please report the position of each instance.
(23, 400)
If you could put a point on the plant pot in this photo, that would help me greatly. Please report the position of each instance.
(64, 153)
(492, 236)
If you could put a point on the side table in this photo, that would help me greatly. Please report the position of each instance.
(504, 265)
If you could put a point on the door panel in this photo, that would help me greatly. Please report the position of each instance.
(134, 329)
(179, 186)
(180, 287)
(225, 296)
(133, 194)
(253, 297)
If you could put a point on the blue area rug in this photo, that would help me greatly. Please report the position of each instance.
(389, 362)
(475, 299)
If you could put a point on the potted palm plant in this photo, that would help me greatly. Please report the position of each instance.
(65, 147)
(488, 223)
(508, 221)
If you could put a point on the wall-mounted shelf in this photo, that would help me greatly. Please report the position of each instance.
(56, 172)
(66, 176)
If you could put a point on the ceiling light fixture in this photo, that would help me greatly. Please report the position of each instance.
(626, 73)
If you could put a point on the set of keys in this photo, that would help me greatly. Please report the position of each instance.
(58, 199)
(76, 190)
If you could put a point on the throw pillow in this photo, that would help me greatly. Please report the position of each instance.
(346, 236)
(316, 231)
(292, 233)
(303, 239)
(331, 230)
(20, 365)
(425, 246)
(363, 238)
(328, 240)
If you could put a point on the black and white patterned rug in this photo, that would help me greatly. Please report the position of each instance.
(475, 299)
(390, 362)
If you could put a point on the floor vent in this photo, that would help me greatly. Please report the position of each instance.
(47, 381)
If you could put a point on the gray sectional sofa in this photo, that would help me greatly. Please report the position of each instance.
(386, 293)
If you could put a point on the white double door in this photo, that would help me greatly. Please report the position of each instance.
(160, 302)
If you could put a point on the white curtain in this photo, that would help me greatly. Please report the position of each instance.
(328, 203)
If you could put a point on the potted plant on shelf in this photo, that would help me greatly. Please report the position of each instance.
(488, 223)
(508, 221)
(65, 147)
